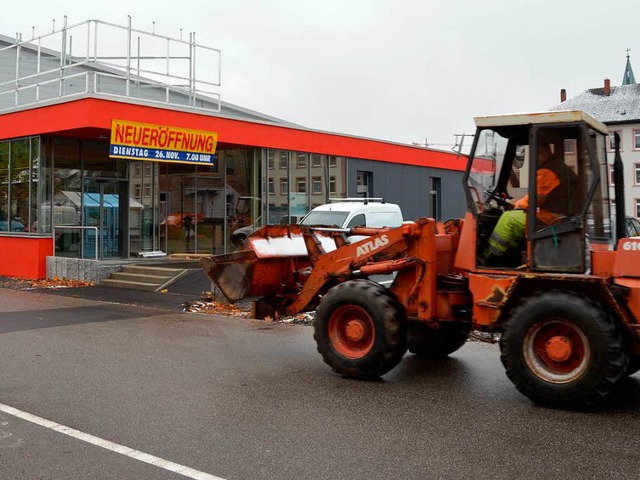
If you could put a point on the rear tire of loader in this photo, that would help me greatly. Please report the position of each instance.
(560, 349)
(360, 330)
(427, 342)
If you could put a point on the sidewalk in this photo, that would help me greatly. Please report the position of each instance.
(187, 289)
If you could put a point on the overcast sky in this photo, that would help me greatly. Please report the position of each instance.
(400, 70)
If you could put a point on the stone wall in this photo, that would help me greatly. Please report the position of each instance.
(79, 269)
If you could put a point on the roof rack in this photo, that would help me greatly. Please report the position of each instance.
(365, 200)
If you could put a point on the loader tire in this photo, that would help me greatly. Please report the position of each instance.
(427, 342)
(360, 330)
(560, 349)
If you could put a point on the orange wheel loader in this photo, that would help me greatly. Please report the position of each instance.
(563, 295)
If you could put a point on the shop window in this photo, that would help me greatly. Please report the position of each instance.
(271, 187)
(38, 188)
(19, 191)
(316, 160)
(316, 185)
(20, 187)
(301, 185)
(4, 186)
(301, 160)
(284, 186)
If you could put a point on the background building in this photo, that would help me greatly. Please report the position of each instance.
(618, 107)
(67, 191)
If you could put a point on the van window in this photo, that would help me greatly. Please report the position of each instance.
(384, 219)
(357, 221)
(319, 217)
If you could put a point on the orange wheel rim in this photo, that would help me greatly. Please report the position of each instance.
(351, 331)
(557, 351)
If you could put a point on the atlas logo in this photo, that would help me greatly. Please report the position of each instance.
(372, 246)
(631, 246)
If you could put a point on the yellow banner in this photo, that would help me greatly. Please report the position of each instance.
(158, 142)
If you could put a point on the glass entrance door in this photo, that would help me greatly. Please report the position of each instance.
(104, 207)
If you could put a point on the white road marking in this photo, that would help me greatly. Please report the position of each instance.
(114, 447)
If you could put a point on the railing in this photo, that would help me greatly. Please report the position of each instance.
(168, 64)
(75, 227)
(157, 92)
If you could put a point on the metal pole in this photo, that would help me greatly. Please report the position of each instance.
(128, 55)
(16, 93)
(101, 219)
(63, 59)
(193, 71)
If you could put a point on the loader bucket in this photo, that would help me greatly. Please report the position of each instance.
(269, 265)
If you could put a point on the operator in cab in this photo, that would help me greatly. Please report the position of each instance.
(552, 180)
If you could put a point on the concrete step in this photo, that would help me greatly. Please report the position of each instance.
(145, 270)
(129, 284)
(144, 278)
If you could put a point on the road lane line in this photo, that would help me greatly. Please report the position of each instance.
(106, 444)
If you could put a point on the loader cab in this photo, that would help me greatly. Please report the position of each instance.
(552, 166)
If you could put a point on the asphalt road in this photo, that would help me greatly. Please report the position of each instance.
(243, 399)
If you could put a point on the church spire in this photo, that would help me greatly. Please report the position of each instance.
(628, 77)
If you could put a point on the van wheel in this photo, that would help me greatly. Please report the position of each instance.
(360, 330)
(562, 350)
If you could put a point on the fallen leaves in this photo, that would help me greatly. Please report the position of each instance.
(215, 308)
(55, 282)
(210, 306)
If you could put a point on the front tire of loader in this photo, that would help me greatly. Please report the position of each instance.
(360, 330)
(562, 350)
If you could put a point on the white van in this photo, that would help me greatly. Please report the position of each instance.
(342, 213)
(355, 212)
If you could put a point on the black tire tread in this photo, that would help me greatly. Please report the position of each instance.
(596, 383)
(379, 301)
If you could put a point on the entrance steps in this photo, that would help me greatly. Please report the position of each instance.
(142, 277)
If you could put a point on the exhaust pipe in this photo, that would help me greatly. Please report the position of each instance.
(618, 180)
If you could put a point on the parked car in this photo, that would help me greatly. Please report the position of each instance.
(13, 226)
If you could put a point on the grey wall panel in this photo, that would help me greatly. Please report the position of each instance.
(408, 186)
